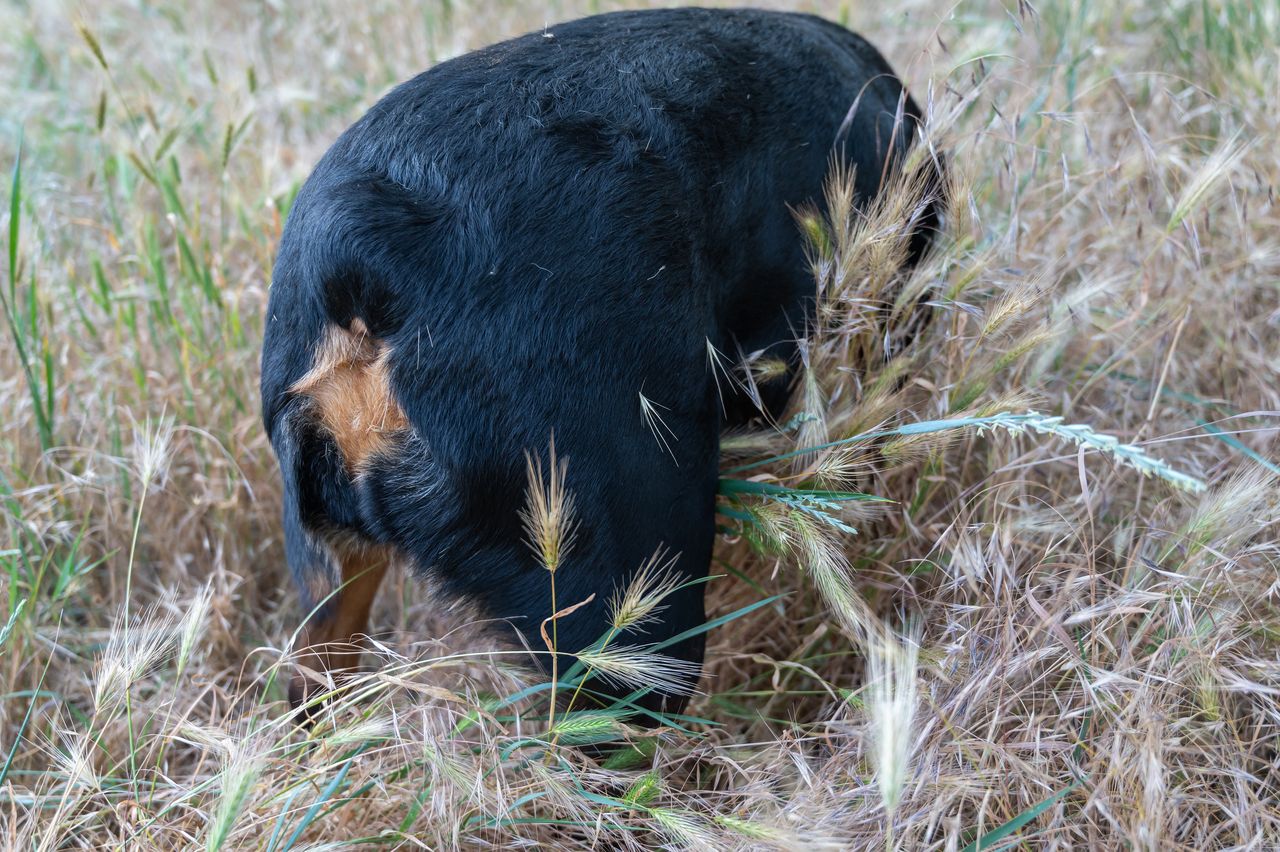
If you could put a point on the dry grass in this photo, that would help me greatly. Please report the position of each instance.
(1064, 652)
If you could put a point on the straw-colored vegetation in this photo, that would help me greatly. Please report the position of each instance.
(1040, 635)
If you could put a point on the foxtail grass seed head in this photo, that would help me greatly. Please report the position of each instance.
(152, 451)
(75, 762)
(240, 774)
(813, 429)
(816, 234)
(771, 523)
(1216, 168)
(843, 466)
(891, 703)
(637, 666)
(208, 737)
(361, 731)
(823, 557)
(751, 829)
(549, 521)
(192, 626)
(128, 658)
(683, 827)
(1015, 304)
(765, 370)
(448, 765)
(1232, 511)
(1152, 772)
(748, 443)
(644, 789)
(559, 787)
(585, 728)
(641, 601)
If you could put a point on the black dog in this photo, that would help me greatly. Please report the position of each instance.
(525, 241)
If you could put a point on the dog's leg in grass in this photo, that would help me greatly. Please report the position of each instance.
(333, 637)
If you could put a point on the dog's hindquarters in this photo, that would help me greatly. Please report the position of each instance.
(503, 268)
(329, 410)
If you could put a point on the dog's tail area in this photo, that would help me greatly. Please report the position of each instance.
(354, 240)
(329, 406)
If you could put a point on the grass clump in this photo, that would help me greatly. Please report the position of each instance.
(1091, 591)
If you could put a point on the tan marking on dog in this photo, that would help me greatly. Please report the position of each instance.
(350, 387)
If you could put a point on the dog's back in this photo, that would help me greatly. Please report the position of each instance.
(545, 236)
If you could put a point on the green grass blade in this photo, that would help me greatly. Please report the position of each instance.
(10, 305)
(1239, 446)
(15, 207)
(26, 720)
(716, 622)
(991, 838)
(729, 487)
(284, 815)
(330, 789)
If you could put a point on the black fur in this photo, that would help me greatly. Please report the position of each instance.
(541, 231)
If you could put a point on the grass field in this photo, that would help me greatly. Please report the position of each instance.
(1048, 638)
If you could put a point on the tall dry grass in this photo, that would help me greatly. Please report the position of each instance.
(1038, 634)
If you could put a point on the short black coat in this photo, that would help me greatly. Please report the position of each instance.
(541, 232)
